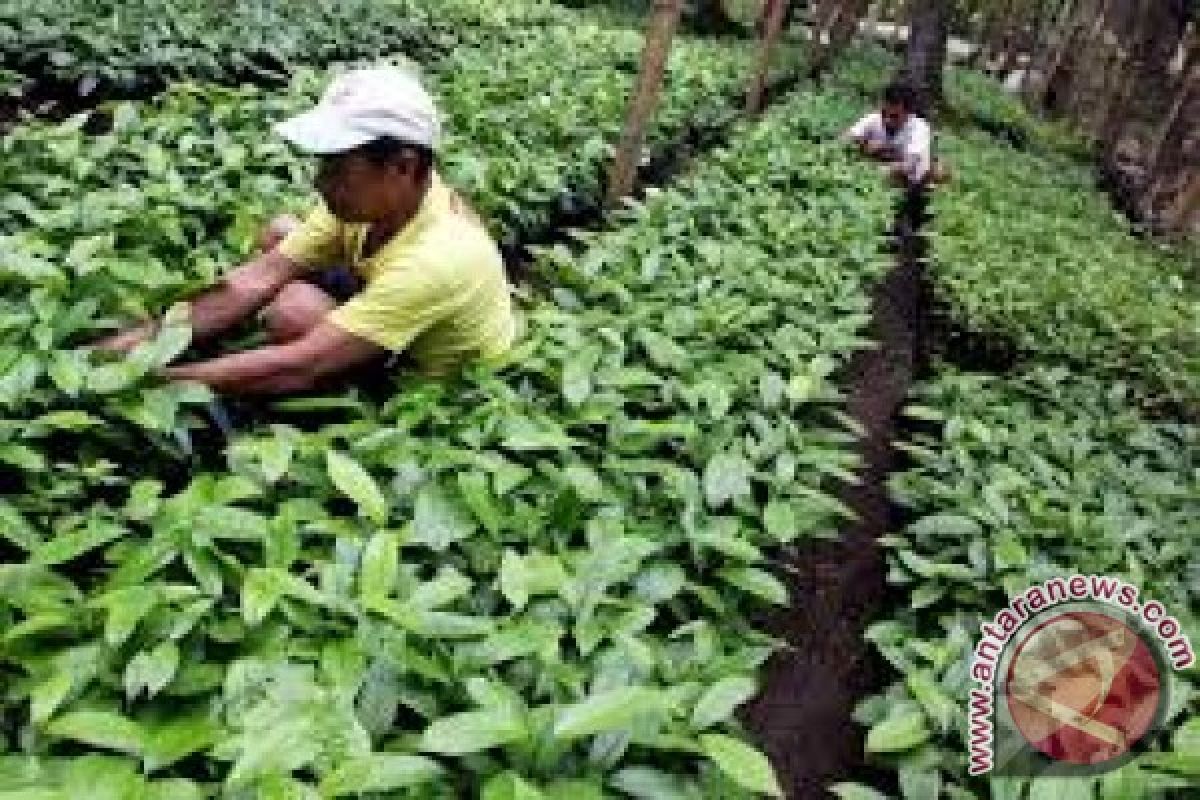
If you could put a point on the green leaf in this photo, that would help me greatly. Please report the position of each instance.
(746, 766)
(647, 783)
(757, 582)
(356, 483)
(522, 577)
(920, 784)
(33, 794)
(103, 729)
(726, 476)
(477, 494)
(1054, 787)
(779, 519)
(17, 530)
(174, 789)
(260, 593)
(1126, 783)
(606, 711)
(938, 706)
(577, 377)
(474, 731)
(380, 567)
(856, 791)
(69, 546)
(946, 524)
(151, 670)
(126, 608)
(901, 730)
(380, 772)
(438, 521)
(49, 695)
(178, 737)
(720, 700)
(510, 786)
(275, 456)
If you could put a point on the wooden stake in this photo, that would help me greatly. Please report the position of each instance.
(776, 10)
(664, 18)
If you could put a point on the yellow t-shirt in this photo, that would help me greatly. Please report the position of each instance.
(436, 289)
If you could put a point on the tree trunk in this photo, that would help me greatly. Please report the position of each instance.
(1015, 41)
(1115, 116)
(994, 25)
(1052, 83)
(1071, 77)
(1175, 149)
(775, 12)
(928, 29)
(1047, 50)
(1089, 65)
(1160, 28)
(846, 25)
(664, 18)
(1187, 86)
(874, 15)
(1111, 93)
(1182, 213)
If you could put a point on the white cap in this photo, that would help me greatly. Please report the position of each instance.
(363, 105)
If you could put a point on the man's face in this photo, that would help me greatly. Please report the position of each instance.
(357, 190)
(894, 116)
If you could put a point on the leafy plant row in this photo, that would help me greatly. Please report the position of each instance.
(178, 188)
(985, 104)
(90, 47)
(1024, 247)
(1019, 480)
(535, 583)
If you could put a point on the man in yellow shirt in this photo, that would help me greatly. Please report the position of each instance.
(414, 270)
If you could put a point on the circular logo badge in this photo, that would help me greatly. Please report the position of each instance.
(1083, 687)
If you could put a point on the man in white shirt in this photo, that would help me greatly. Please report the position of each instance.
(896, 136)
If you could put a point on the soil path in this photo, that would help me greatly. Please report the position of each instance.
(803, 717)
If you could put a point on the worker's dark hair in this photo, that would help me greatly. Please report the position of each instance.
(900, 94)
(386, 149)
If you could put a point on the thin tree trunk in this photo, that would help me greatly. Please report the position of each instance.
(1187, 204)
(1015, 40)
(1115, 115)
(926, 58)
(1160, 27)
(1056, 31)
(1088, 67)
(776, 10)
(1066, 43)
(1158, 144)
(1071, 78)
(846, 25)
(994, 25)
(874, 15)
(1173, 149)
(664, 18)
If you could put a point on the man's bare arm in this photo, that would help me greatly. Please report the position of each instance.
(293, 367)
(242, 292)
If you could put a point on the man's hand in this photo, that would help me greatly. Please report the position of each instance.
(879, 150)
(293, 367)
(127, 340)
(244, 291)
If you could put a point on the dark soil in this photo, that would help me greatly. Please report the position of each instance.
(803, 717)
